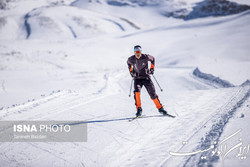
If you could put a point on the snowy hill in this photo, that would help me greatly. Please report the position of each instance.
(83, 18)
(66, 60)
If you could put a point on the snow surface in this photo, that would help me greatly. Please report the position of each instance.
(66, 60)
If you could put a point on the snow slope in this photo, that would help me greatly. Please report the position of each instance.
(67, 61)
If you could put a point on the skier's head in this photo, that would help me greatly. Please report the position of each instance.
(137, 50)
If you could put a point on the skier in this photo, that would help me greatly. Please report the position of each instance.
(138, 68)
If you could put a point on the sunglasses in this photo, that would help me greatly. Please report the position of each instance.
(137, 51)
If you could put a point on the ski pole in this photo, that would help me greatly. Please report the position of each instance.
(131, 87)
(157, 83)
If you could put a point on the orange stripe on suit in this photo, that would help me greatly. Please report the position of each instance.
(138, 99)
(157, 103)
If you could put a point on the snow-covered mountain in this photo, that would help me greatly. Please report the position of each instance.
(84, 18)
(215, 8)
(66, 60)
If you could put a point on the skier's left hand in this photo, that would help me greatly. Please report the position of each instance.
(151, 71)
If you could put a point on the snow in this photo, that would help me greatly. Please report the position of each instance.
(68, 62)
(233, 126)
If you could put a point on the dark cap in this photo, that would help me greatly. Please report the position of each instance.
(137, 46)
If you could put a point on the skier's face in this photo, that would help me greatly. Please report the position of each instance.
(137, 54)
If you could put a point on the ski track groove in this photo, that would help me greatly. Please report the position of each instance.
(216, 127)
(46, 150)
(198, 127)
(70, 101)
(225, 108)
(31, 104)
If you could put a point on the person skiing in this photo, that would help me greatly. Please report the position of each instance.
(138, 68)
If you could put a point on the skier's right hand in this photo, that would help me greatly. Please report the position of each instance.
(132, 73)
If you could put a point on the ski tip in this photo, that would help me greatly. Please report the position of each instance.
(169, 115)
(172, 116)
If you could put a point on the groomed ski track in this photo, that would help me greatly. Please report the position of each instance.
(198, 104)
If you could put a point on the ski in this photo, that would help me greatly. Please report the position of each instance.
(165, 115)
(169, 115)
(135, 118)
(150, 116)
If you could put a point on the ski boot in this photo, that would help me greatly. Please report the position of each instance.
(139, 111)
(162, 111)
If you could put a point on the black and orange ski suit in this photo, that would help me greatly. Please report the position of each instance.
(139, 68)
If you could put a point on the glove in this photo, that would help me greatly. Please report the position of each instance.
(132, 73)
(151, 71)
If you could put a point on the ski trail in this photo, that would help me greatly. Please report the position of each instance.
(208, 131)
(57, 103)
(123, 143)
(214, 134)
(155, 140)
